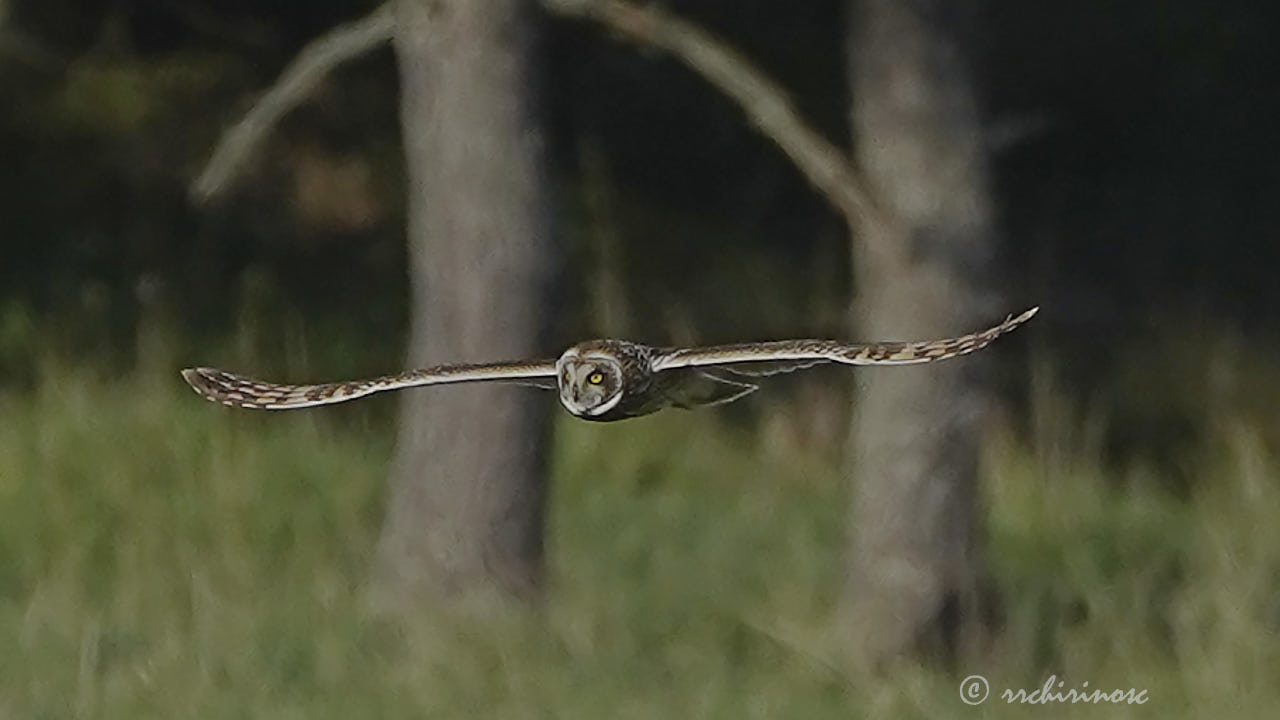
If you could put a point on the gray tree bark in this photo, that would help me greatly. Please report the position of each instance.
(464, 510)
(914, 562)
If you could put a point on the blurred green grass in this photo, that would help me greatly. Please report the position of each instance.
(164, 557)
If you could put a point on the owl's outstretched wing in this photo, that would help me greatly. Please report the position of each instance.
(769, 358)
(240, 391)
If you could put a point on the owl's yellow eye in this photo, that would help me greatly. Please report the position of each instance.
(595, 378)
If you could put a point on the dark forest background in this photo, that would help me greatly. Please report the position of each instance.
(1134, 156)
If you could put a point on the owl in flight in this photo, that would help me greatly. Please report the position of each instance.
(605, 380)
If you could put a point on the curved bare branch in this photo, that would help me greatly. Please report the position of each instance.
(765, 103)
(313, 63)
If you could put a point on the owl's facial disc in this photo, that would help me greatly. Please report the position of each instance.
(589, 386)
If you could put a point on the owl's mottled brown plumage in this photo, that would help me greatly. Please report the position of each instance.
(613, 379)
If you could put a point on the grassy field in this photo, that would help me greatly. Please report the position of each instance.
(162, 557)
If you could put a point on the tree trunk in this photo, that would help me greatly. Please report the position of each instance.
(465, 503)
(913, 562)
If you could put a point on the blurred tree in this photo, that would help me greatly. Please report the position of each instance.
(465, 504)
(914, 559)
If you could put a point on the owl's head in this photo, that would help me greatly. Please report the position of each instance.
(590, 381)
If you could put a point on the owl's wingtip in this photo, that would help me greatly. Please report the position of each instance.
(1025, 316)
(198, 379)
(194, 375)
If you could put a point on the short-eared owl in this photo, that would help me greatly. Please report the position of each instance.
(613, 379)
